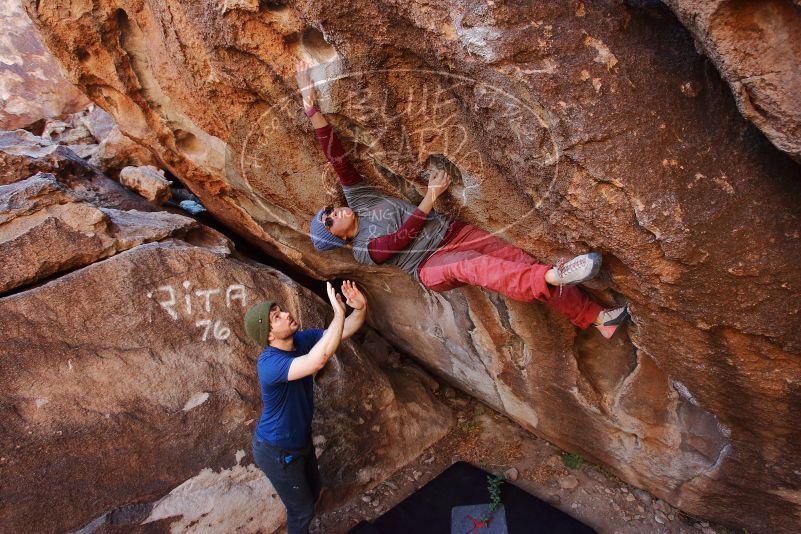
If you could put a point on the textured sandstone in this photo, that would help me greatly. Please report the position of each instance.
(756, 46)
(592, 125)
(70, 131)
(131, 377)
(23, 154)
(92, 135)
(117, 151)
(150, 383)
(148, 182)
(44, 229)
(32, 83)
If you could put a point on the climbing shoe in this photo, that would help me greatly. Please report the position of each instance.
(609, 320)
(578, 270)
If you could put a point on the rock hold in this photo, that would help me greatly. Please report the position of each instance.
(148, 182)
(570, 482)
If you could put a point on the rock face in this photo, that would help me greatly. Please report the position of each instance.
(576, 126)
(32, 83)
(756, 46)
(150, 382)
(116, 151)
(129, 390)
(44, 229)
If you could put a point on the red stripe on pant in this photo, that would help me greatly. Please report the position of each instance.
(477, 258)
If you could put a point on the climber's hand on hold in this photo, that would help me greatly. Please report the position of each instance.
(438, 183)
(309, 93)
(305, 84)
(353, 297)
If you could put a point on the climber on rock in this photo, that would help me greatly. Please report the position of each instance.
(282, 441)
(439, 253)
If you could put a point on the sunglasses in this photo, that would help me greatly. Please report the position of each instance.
(328, 221)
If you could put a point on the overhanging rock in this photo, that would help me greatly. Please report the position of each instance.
(574, 129)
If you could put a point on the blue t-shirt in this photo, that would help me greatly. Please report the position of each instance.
(288, 405)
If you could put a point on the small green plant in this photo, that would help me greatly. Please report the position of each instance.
(604, 471)
(469, 426)
(494, 483)
(572, 460)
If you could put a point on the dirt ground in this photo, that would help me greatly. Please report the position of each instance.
(491, 441)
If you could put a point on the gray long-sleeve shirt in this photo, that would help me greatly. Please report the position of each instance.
(381, 215)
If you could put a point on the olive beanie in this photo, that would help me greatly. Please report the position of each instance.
(257, 321)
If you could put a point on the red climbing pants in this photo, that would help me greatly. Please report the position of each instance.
(469, 256)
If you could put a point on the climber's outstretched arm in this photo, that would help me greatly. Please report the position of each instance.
(336, 156)
(355, 299)
(328, 140)
(308, 364)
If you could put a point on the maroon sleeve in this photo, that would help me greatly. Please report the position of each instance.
(383, 248)
(335, 155)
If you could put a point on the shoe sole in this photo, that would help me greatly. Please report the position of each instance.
(607, 331)
(620, 319)
(609, 328)
(597, 260)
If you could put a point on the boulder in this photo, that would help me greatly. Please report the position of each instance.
(92, 135)
(99, 123)
(46, 229)
(23, 154)
(84, 150)
(575, 126)
(68, 131)
(117, 151)
(32, 83)
(135, 298)
(756, 47)
(89, 126)
(146, 393)
(148, 182)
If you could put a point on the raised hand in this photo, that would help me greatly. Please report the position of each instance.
(305, 83)
(336, 300)
(438, 183)
(353, 297)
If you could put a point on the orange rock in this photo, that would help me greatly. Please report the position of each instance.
(697, 400)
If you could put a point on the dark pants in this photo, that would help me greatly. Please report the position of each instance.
(296, 479)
